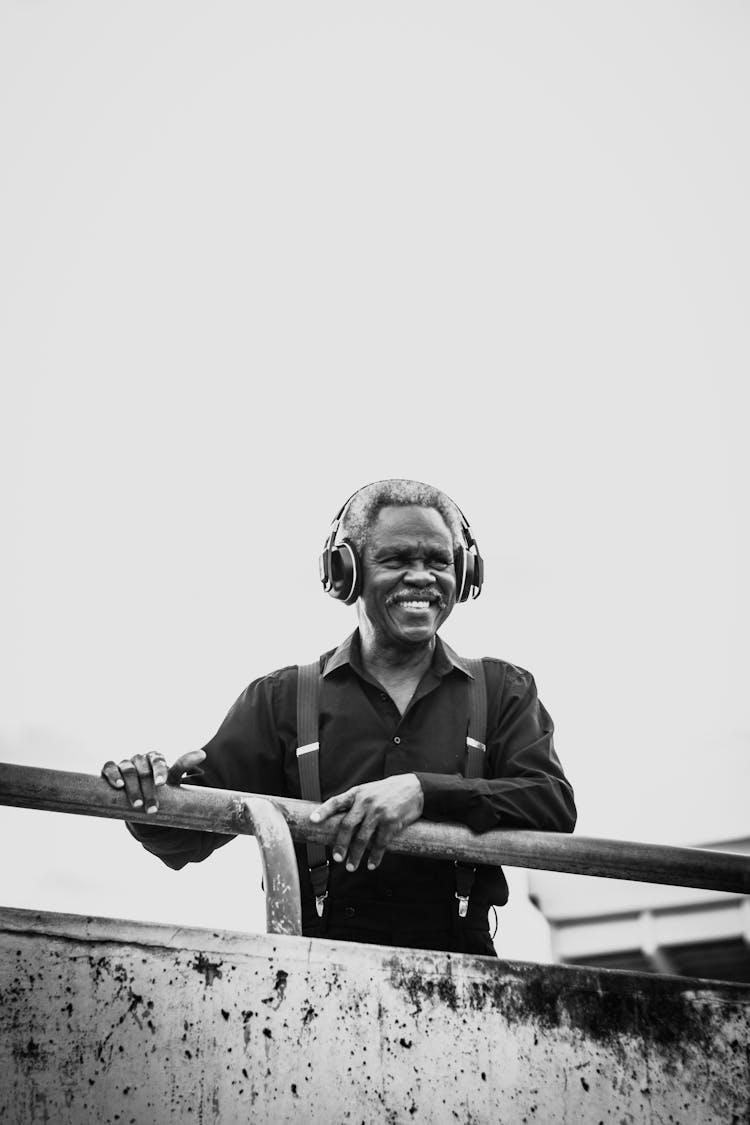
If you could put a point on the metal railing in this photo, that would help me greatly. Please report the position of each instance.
(276, 821)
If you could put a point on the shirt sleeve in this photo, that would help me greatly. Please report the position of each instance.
(525, 786)
(244, 755)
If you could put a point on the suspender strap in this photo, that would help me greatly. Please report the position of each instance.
(475, 742)
(475, 753)
(308, 761)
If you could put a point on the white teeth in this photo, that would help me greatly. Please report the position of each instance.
(415, 605)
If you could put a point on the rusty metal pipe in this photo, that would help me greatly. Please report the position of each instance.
(222, 810)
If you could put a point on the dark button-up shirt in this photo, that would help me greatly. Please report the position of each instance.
(363, 737)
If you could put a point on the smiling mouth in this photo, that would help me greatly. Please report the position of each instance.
(416, 604)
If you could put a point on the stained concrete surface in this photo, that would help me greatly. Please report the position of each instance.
(115, 1022)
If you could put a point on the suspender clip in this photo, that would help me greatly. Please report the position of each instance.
(319, 878)
(463, 905)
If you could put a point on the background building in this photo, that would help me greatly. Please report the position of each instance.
(616, 924)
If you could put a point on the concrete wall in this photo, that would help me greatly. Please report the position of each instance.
(115, 1022)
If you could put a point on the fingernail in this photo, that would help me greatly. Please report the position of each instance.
(338, 857)
(151, 808)
(370, 865)
(137, 803)
(315, 817)
(350, 867)
(119, 783)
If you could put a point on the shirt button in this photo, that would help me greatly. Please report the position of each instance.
(397, 740)
(349, 911)
(383, 696)
(388, 893)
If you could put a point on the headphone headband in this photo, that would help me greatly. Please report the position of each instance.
(341, 566)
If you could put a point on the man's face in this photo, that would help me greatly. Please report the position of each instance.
(408, 576)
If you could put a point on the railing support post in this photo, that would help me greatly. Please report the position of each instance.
(280, 876)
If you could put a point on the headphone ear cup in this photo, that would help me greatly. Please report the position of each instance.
(463, 562)
(468, 574)
(344, 572)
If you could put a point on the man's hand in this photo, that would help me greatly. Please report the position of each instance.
(141, 776)
(375, 813)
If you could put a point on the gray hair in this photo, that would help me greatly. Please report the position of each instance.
(363, 508)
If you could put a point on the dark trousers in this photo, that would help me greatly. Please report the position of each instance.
(413, 926)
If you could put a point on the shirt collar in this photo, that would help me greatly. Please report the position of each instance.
(344, 655)
(444, 659)
(451, 659)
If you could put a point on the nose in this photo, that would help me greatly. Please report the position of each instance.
(419, 575)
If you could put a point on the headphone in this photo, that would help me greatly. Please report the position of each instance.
(341, 566)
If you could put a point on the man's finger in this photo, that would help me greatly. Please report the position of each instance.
(142, 763)
(360, 844)
(378, 848)
(132, 783)
(356, 831)
(111, 773)
(340, 803)
(350, 824)
(184, 764)
(159, 767)
(153, 774)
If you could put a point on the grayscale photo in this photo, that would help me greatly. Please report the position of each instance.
(374, 730)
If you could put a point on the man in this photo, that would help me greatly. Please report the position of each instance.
(394, 708)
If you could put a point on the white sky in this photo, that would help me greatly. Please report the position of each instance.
(255, 256)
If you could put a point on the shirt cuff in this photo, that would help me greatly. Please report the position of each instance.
(444, 798)
(450, 796)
